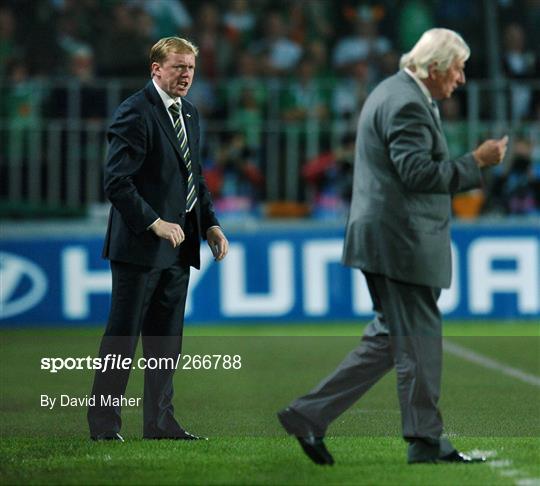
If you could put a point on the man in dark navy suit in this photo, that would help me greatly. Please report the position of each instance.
(161, 208)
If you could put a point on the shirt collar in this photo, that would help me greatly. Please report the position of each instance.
(167, 100)
(419, 82)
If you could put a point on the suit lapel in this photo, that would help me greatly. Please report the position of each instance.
(436, 120)
(188, 123)
(422, 97)
(435, 117)
(164, 120)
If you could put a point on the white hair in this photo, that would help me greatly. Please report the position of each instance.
(436, 46)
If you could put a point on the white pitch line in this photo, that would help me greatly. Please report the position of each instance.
(502, 463)
(479, 359)
(511, 473)
(482, 453)
(528, 482)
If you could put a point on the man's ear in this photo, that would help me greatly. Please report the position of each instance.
(432, 68)
(154, 68)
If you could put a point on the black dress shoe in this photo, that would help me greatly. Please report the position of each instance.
(188, 436)
(312, 444)
(108, 436)
(460, 458)
(184, 435)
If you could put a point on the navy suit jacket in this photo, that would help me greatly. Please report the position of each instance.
(146, 178)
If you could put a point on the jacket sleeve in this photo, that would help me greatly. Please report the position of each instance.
(208, 215)
(410, 142)
(128, 140)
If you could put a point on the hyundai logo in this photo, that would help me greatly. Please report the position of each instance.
(23, 285)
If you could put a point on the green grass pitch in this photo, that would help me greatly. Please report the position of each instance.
(485, 406)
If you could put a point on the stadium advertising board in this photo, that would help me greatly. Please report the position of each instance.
(269, 276)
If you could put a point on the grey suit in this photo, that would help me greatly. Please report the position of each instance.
(398, 234)
(399, 222)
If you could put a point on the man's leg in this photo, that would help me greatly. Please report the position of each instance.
(356, 374)
(132, 289)
(162, 340)
(415, 328)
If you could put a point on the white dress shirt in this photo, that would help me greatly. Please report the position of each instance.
(424, 89)
(168, 101)
(419, 82)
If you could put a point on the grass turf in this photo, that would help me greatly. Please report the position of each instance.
(482, 408)
(226, 460)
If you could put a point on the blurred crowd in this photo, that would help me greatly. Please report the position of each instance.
(302, 63)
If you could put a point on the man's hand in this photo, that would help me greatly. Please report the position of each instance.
(491, 152)
(171, 232)
(217, 243)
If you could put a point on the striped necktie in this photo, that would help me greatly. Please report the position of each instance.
(184, 149)
(435, 109)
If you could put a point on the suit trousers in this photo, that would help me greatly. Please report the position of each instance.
(149, 302)
(406, 333)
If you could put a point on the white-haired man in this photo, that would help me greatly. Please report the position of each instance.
(398, 235)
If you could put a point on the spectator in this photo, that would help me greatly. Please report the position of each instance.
(23, 98)
(305, 96)
(203, 95)
(279, 53)
(80, 98)
(247, 118)
(415, 17)
(8, 45)
(351, 91)
(234, 179)
(317, 51)
(214, 47)
(81, 102)
(455, 127)
(29, 34)
(68, 35)
(469, 204)
(519, 64)
(517, 190)
(364, 45)
(169, 17)
(123, 47)
(298, 22)
(239, 22)
(320, 21)
(388, 64)
(536, 107)
(531, 21)
(329, 179)
(79, 24)
(246, 75)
